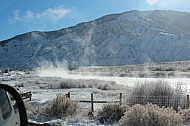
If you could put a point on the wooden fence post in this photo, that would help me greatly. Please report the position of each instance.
(30, 95)
(160, 101)
(139, 100)
(69, 95)
(92, 103)
(187, 101)
(120, 98)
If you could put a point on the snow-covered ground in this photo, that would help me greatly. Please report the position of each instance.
(125, 81)
(40, 96)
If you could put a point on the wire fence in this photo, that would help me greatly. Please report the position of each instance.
(176, 102)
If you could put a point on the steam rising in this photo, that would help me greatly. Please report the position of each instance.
(58, 69)
(47, 69)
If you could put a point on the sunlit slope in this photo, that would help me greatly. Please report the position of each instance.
(132, 37)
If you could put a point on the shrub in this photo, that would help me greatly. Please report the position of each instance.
(150, 115)
(61, 107)
(171, 74)
(186, 116)
(160, 93)
(110, 113)
(160, 74)
(80, 83)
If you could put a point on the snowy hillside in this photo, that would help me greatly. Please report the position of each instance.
(132, 37)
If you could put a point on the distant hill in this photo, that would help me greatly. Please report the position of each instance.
(132, 37)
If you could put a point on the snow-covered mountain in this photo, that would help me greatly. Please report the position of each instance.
(132, 37)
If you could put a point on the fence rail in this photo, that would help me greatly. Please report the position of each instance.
(92, 101)
(26, 95)
(99, 101)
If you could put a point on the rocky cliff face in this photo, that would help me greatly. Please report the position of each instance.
(132, 37)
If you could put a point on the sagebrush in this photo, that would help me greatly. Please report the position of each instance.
(61, 107)
(150, 115)
(110, 113)
(185, 116)
(81, 83)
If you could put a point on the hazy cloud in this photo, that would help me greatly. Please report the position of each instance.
(16, 15)
(166, 3)
(51, 14)
(174, 4)
(152, 2)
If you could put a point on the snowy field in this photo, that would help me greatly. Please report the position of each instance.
(37, 83)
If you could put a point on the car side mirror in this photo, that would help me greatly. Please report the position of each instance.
(12, 109)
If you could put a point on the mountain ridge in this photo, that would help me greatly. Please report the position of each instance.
(131, 37)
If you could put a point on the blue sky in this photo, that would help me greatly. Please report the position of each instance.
(21, 16)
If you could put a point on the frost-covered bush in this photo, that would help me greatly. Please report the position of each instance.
(81, 83)
(158, 88)
(69, 83)
(36, 111)
(110, 113)
(160, 93)
(150, 115)
(105, 86)
(61, 107)
(186, 116)
(62, 83)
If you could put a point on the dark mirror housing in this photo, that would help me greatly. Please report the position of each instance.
(13, 103)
